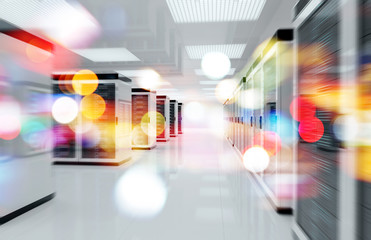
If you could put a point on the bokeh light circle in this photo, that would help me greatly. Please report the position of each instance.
(35, 134)
(65, 110)
(151, 129)
(140, 193)
(92, 137)
(256, 159)
(10, 118)
(305, 109)
(194, 111)
(92, 106)
(251, 99)
(271, 142)
(149, 79)
(85, 82)
(215, 65)
(311, 130)
(346, 128)
(224, 89)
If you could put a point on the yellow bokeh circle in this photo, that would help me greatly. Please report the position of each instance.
(92, 106)
(148, 123)
(85, 82)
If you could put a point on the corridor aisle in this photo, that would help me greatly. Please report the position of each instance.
(206, 195)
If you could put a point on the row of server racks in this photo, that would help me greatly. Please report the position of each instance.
(330, 190)
(133, 119)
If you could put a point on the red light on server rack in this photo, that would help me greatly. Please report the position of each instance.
(305, 109)
(311, 130)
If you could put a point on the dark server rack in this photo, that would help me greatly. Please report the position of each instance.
(364, 152)
(162, 121)
(173, 118)
(113, 143)
(143, 119)
(180, 118)
(318, 198)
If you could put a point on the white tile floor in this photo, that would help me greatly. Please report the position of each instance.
(209, 196)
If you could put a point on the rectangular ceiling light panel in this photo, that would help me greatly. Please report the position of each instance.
(233, 51)
(201, 11)
(107, 54)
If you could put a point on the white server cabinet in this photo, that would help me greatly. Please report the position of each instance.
(278, 126)
(101, 140)
(173, 118)
(261, 117)
(162, 121)
(25, 153)
(143, 119)
(180, 118)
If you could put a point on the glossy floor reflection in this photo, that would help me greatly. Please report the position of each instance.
(209, 196)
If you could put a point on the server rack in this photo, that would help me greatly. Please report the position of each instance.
(319, 214)
(162, 121)
(261, 116)
(26, 154)
(107, 140)
(362, 8)
(143, 119)
(173, 118)
(180, 118)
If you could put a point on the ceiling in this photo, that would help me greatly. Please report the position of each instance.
(147, 29)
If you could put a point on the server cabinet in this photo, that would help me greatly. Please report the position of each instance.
(25, 139)
(163, 117)
(269, 93)
(363, 223)
(317, 209)
(180, 118)
(278, 125)
(144, 121)
(101, 133)
(173, 118)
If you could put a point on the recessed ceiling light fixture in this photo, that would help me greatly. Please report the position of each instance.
(233, 51)
(199, 72)
(201, 11)
(107, 54)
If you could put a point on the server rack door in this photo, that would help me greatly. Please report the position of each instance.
(65, 139)
(257, 86)
(317, 207)
(173, 118)
(180, 119)
(364, 151)
(270, 123)
(161, 124)
(139, 109)
(105, 124)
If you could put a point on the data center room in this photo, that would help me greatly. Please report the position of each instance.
(185, 119)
